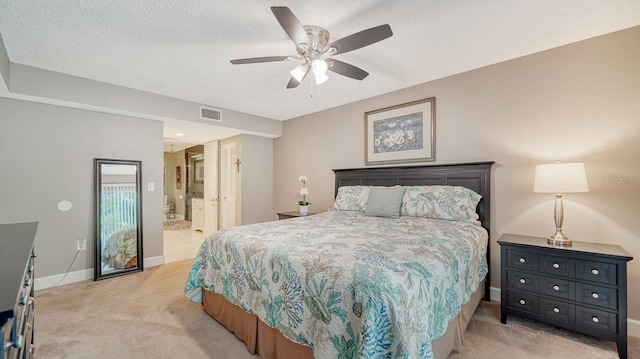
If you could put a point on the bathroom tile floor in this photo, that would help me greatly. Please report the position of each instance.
(179, 245)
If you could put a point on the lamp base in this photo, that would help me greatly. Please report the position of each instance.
(559, 239)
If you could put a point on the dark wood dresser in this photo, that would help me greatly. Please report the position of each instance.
(16, 289)
(581, 288)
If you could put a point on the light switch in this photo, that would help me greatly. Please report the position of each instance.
(150, 186)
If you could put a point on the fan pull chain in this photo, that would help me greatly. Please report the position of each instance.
(315, 86)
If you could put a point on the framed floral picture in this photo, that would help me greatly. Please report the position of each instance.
(400, 134)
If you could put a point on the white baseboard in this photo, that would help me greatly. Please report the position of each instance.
(153, 261)
(633, 326)
(494, 293)
(82, 275)
(60, 279)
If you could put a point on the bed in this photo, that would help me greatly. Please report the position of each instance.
(120, 249)
(357, 281)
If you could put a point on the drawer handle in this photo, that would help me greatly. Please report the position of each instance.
(594, 271)
(556, 287)
(595, 319)
(17, 343)
(27, 300)
(32, 348)
(523, 302)
(595, 295)
(556, 265)
(27, 282)
(522, 260)
(523, 281)
(556, 310)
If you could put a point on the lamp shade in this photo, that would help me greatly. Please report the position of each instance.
(560, 178)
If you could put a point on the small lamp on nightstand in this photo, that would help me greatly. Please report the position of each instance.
(559, 178)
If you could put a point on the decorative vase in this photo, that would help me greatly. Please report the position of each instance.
(304, 210)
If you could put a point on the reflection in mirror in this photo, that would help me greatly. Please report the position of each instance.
(118, 218)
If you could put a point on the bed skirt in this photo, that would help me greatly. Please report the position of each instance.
(269, 343)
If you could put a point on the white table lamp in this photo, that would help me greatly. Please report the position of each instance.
(559, 178)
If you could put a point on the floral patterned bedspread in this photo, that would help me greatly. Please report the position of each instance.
(347, 285)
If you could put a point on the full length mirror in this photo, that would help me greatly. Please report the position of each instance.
(118, 218)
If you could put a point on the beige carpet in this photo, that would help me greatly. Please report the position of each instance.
(145, 315)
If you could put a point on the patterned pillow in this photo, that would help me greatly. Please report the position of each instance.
(384, 202)
(443, 202)
(351, 198)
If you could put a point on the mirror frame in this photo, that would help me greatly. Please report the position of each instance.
(98, 271)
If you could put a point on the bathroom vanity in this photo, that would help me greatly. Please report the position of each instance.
(197, 214)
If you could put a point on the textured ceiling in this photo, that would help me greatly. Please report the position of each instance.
(182, 48)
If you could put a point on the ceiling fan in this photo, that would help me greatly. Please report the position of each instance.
(314, 49)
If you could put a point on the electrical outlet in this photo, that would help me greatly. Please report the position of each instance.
(82, 244)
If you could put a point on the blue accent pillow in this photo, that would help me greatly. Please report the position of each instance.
(384, 202)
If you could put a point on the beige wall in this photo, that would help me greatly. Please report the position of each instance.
(579, 102)
(41, 83)
(47, 156)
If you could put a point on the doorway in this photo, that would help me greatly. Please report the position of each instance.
(183, 191)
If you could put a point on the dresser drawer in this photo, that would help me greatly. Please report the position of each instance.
(5, 333)
(523, 281)
(564, 267)
(558, 310)
(10, 328)
(597, 319)
(597, 272)
(597, 295)
(523, 301)
(559, 288)
(28, 348)
(522, 260)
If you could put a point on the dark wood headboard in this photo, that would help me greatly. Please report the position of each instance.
(475, 176)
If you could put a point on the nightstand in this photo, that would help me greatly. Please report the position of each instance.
(294, 214)
(581, 288)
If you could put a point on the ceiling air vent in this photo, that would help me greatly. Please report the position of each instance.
(210, 114)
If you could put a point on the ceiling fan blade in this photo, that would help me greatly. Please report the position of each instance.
(291, 25)
(361, 39)
(346, 69)
(293, 83)
(254, 60)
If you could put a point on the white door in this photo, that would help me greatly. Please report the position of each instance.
(210, 187)
(228, 173)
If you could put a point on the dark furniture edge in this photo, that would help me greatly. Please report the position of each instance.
(16, 243)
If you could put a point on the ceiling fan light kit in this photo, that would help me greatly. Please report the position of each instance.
(319, 68)
(314, 49)
(299, 72)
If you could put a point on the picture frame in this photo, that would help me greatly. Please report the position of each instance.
(198, 176)
(401, 134)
